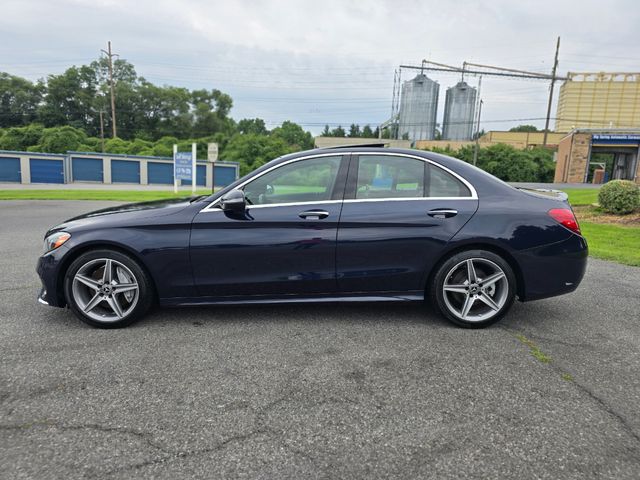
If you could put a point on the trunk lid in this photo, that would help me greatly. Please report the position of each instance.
(546, 193)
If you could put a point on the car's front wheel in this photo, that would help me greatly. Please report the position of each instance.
(474, 288)
(107, 289)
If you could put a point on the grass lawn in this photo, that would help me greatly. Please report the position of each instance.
(613, 242)
(582, 196)
(116, 195)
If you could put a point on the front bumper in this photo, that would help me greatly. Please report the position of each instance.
(48, 269)
(553, 269)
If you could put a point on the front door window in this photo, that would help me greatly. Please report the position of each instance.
(311, 180)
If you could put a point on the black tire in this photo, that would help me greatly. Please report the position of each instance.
(485, 264)
(145, 291)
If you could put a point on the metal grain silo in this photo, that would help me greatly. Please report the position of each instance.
(459, 112)
(418, 108)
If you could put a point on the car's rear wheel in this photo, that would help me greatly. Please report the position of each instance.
(107, 289)
(474, 288)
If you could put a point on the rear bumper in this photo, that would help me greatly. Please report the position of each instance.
(553, 269)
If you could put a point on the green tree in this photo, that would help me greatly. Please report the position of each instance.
(60, 140)
(163, 147)
(294, 135)
(253, 151)
(123, 71)
(252, 125)
(509, 163)
(19, 100)
(21, 138)
(159, 112)
(338, 132)
(367, 132)
(326, 132)
(117, 145)
(210, 112)
(70, 98)
(150, 118)
(524, 128)
(354, 131)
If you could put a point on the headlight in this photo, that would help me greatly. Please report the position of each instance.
(55, 240)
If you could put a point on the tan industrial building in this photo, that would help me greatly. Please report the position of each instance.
(521, 140)
(328, 142)
(575, 158)
(599, 100)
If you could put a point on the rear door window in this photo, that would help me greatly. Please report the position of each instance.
(441, 183)
(388, 176)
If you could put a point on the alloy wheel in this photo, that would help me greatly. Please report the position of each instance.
(105, 290)
(475, 289)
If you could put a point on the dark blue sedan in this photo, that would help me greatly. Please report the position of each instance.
(342, 224)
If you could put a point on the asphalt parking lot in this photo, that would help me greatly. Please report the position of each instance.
(329, 391)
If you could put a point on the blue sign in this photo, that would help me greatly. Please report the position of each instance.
(616, 138)
(183, 169)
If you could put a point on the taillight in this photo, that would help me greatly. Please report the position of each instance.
(565, 216)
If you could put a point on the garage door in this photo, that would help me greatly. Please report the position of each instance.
(224, 175)
(46, 171)
(125, 171)
(10, 169)
(201, 175)
(87, 169)
(160, 172)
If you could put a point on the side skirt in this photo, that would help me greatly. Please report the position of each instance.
(381, 297)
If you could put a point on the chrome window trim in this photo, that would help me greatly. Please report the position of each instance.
(474, 193)
(407, 199)
(268, 205)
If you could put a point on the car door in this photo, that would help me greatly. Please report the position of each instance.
(398, 214)
(284, 244)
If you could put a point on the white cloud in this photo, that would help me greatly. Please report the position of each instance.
(329, 61)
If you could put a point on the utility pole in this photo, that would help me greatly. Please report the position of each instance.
(175, 180)
(475, 150)
(102, 130)
(553, 81)
(113, 95)
(194, 153)
(213, 176)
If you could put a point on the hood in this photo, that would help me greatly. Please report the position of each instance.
(128, 211)
(137, 207)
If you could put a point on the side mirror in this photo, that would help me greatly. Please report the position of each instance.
(234, 202)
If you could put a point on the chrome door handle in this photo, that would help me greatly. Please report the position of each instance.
(314, 214)
(442, 212)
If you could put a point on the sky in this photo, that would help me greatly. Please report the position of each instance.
(326, 62)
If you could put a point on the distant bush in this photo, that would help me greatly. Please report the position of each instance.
(619, 196)
(508, 163)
